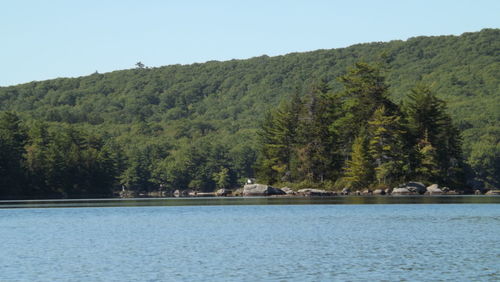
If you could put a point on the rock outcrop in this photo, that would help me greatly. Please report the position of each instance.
(315, 192)
(416, 187)
(238, 192)
(410, 188)
(401, 191)
(378, 192)
(223, 192)
(345, 191)
(261, 190)
(288, 191)
(434, 190)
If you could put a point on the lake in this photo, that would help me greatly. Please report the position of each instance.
(252, 239)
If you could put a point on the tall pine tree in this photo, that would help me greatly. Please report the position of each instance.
(386, 146)
(358, 172)
(429, 123)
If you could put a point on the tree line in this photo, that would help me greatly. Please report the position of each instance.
(38, 161)
(182, 126)
(45, 160)
(356, 137)
(359, 138)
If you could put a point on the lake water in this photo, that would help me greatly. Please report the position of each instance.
(162, 240)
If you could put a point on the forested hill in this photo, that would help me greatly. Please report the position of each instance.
(159, 116)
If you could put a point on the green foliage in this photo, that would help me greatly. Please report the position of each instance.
(385, 151)
(438, 140)
(485, 159)
(359, 170)
(223, 103)
(278, 135)
(58, 161)
(12, 140)
(386, 146)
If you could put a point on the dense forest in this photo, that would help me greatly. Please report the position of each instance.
(203, 126)
(358, 138)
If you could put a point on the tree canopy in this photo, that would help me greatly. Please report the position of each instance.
(197, 125)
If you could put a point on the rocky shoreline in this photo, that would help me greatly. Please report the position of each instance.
(260, 190)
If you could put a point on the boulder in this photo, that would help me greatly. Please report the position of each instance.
(378, 192)
(366, 192)
(345, 191)
(315, 192)
(452, 192)
(288, 191)
(493, 192)
(204, 194)
(238, 192)
(261, 190)
(434, 189)
(415, 187)
(177, 193)
(401, 191)
(223, 192)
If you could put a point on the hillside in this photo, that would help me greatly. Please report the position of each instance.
(160, 115)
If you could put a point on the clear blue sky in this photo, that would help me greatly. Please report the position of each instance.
(60, 38)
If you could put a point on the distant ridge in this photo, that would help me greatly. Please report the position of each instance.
(225, 101)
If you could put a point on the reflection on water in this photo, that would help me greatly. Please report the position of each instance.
(348, 200)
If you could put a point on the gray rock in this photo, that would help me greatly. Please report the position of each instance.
(223, 192)
(184, 193)
(204, 194)
(401, 191)
(345, 191)
(315, 192)
(434, 189)
(415, 187)
(238, 192)
(288, 191)
(493, 192)
(378, 192)
(261, 190)
(177, 193)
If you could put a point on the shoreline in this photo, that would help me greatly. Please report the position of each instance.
(213, 196)
(250, 200)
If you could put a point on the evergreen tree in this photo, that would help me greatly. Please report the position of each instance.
(428, 169)
(429, 123)
(316, 148)
(358, 172)
(12, 141)
(37, 162)
(386, 146)
(485, 159)
(277, 138)
(364, 91)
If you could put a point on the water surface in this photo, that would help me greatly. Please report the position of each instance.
(211, 201)
(320, 242)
